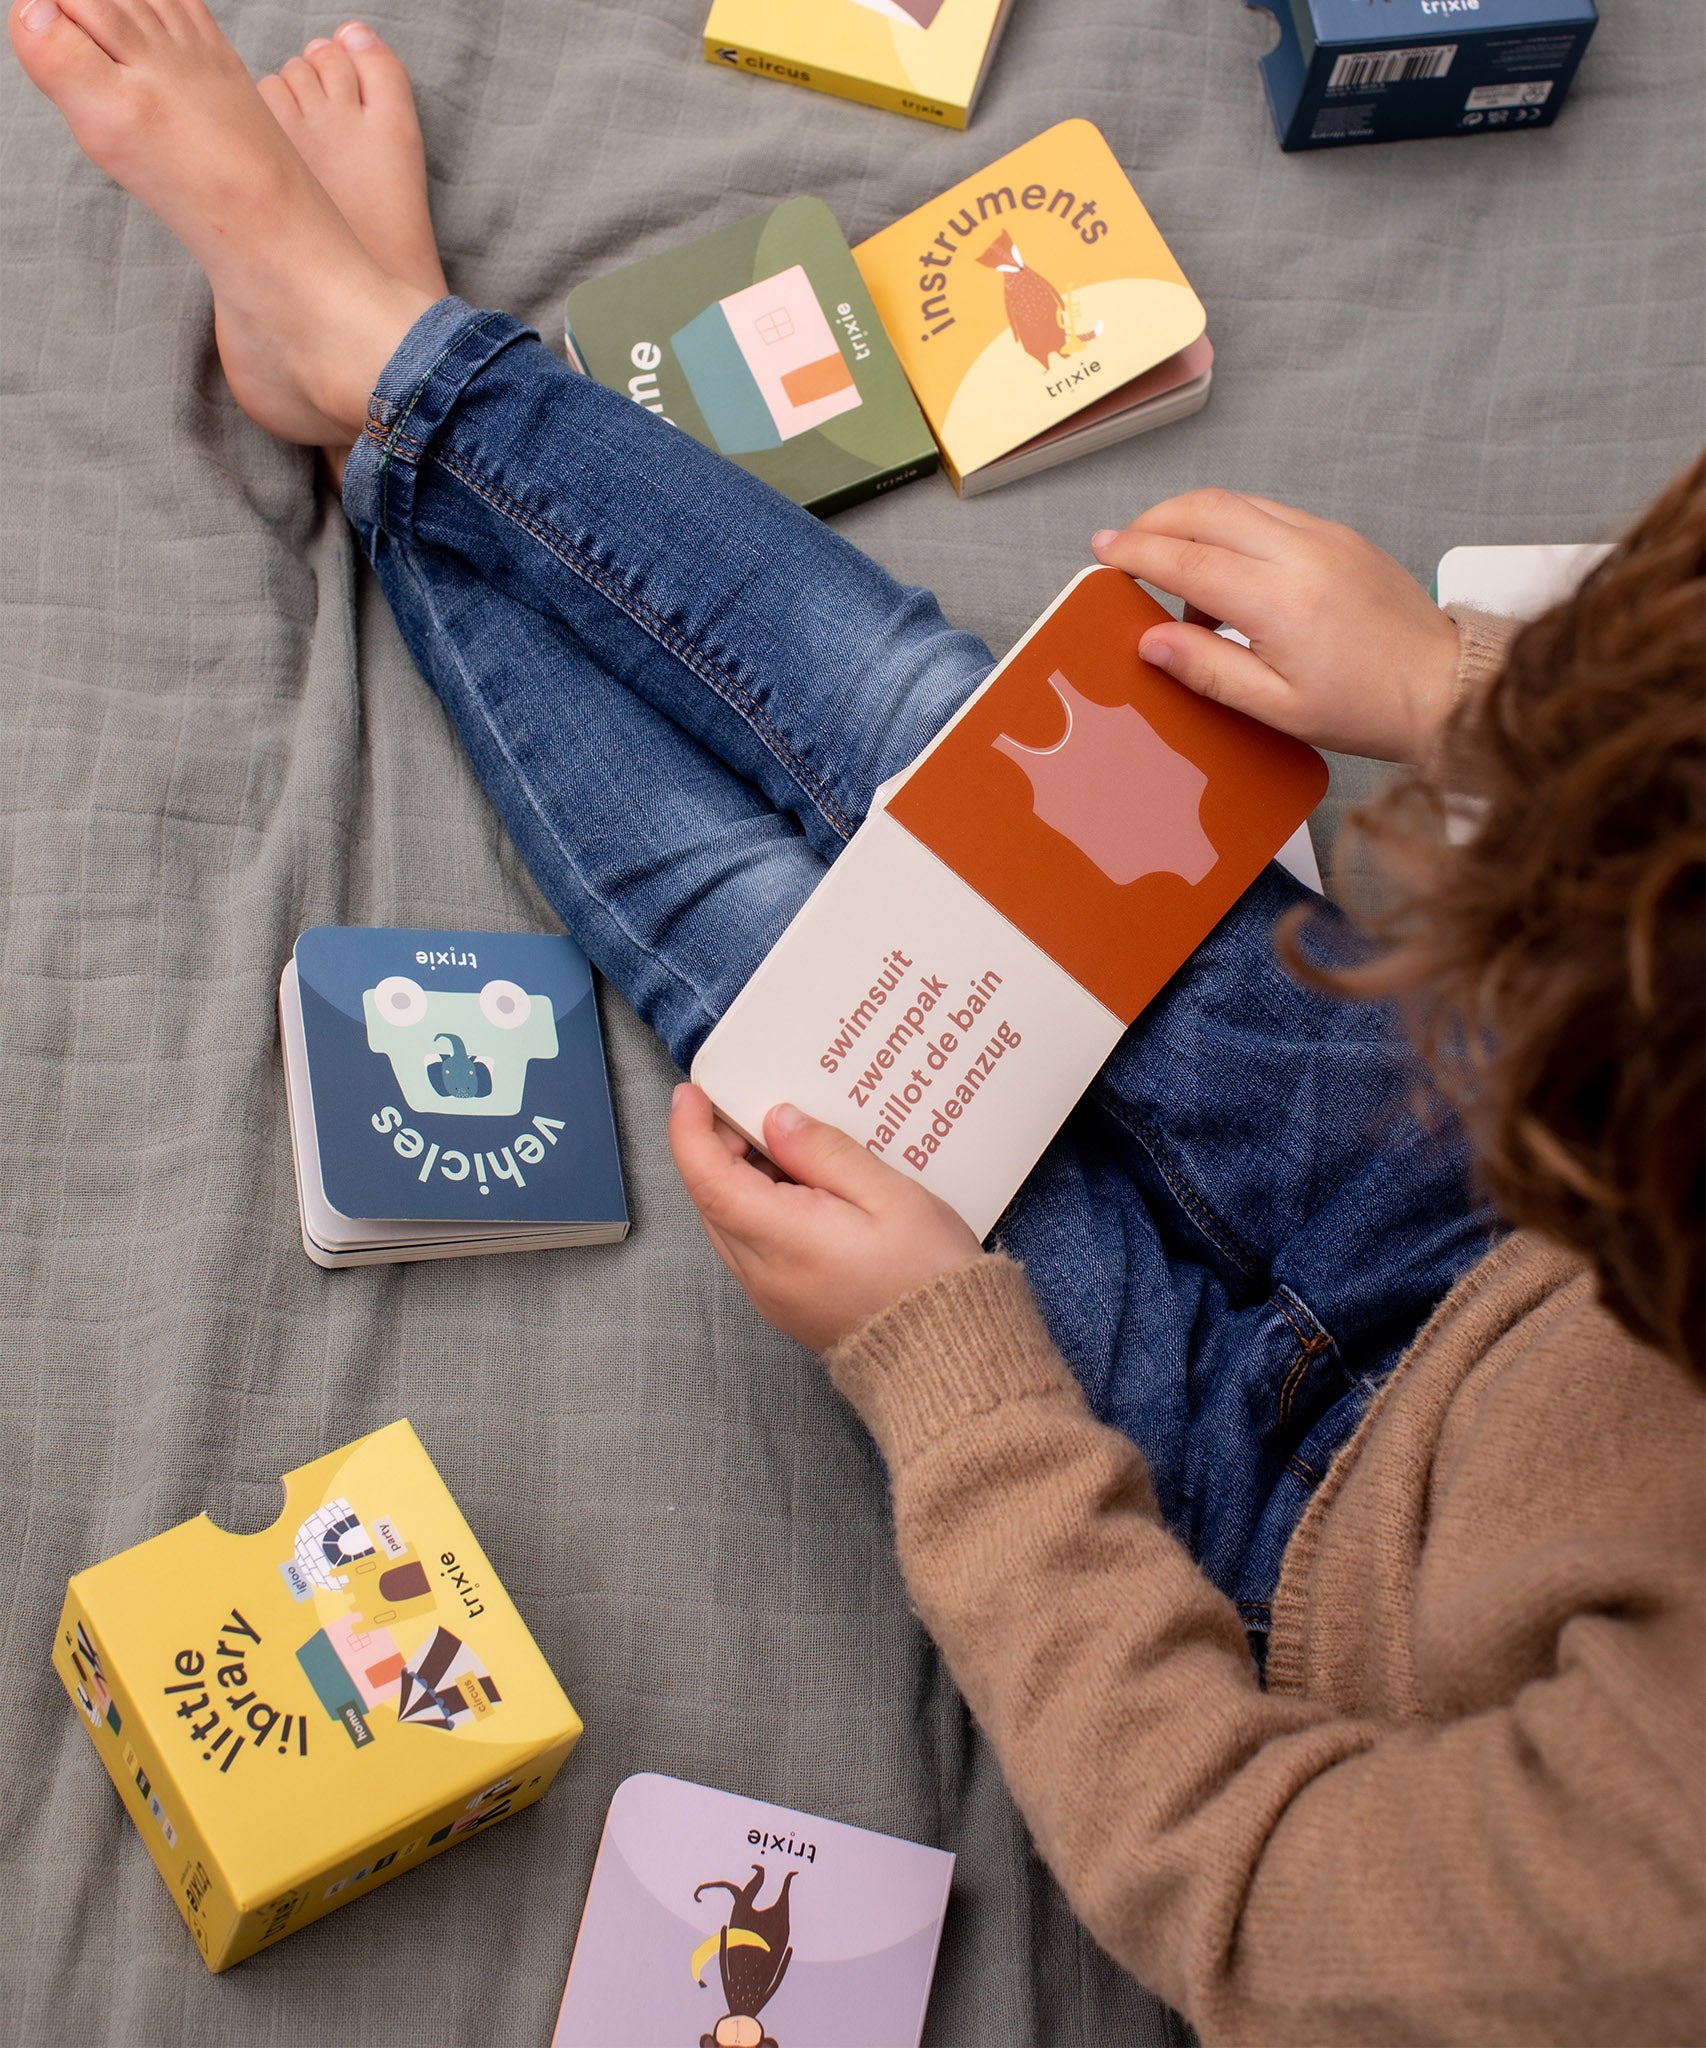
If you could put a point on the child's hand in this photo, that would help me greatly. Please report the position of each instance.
(1346, 649)
(820, 1256)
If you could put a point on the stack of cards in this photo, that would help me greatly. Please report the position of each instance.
(447, 1095)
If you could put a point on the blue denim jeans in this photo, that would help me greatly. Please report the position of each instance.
(680, 691)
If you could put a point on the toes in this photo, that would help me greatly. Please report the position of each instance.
(172, 16)
(196, 18)
(121, 28)
(59, 58)
(303, 83)
(383, 79)
(335, 69)
(281, 101)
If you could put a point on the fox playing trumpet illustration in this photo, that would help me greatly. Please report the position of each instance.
(1039, 316)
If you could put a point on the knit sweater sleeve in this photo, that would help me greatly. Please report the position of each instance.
(1483, 641)
(1276, 1868)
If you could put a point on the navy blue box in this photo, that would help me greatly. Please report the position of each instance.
(1384, 70)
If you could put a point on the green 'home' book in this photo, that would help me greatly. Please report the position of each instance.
(761, 341)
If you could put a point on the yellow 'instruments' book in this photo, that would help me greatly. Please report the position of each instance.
(927, 58)
(1037, 311)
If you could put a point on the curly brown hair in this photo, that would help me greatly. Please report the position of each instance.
(1554, 964)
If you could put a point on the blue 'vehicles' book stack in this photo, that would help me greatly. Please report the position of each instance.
(447, 1095)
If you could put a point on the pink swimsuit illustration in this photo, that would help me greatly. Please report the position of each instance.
(1113, 786)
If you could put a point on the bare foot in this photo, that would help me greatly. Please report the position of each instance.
(155, 95)
(347, 105)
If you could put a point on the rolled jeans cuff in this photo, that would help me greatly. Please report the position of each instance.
(447, 347)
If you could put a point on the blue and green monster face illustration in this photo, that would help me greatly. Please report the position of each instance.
(459, 1054)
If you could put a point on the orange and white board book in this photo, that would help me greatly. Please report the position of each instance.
(1010, 904)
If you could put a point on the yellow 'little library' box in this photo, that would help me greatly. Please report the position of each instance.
(295, 1717)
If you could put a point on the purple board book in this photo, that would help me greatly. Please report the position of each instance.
(714, 1921)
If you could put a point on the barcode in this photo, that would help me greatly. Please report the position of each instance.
(1390, 67)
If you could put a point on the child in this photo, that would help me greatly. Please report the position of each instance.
(1467, 1805)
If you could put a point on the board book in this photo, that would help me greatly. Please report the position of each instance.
(447, 1095)
(296, 1717)
(1010, 904)
(1516, 582)
(1038, 312)
(731, 1921)
(761, 341)
(927, 58)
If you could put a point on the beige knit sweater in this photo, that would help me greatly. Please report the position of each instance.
(1468, 1807)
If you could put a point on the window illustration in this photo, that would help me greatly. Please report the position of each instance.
(764, 365)
(459, 1053)
(370, 1656)
(334, 1687)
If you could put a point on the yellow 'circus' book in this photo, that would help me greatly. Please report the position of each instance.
(1037, 311)
(927, 58)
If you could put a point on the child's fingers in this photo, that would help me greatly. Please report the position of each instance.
(728, 1192)
(701, 1157)
(819, 1156)
(740, 1146)
(1214, 579)
(1222, 671)
(1224, 519)
(737, 1146)
(1287, 515)
(732, 1251)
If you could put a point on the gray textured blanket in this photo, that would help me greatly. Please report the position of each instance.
(212, 737)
